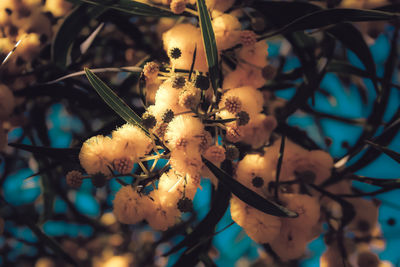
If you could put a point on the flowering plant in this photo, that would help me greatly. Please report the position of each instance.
(200, 106)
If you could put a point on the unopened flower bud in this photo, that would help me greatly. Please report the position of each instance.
(268, 72)
(74, 179)
(257, 182)
(150, 70)
(231, 152)
(175, 53)
(178, 6)
(202, 82)
(178, 82)
(185, 205)
(243, 118)
(148, 120)
(233, 104)
(167, 116)
(123, 165)
(248, 38)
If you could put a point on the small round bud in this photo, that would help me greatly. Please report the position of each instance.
(178, 6)
(151, 70)
(202, 82)
(148, 120)
(123, 165)
(178, 82)
(369, 259)
(248, 38)
(268, 72)
(188, 99)
(185, 205)
(99, 180)
(243, 118)
(175, 53)
(257, 182)
(233, 104)
(231, 152)
(168, 116)
(206, 140)
(74, 179)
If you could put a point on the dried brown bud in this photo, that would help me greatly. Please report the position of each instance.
(74, 179)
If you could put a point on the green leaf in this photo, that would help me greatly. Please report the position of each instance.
(394, 155)
(327, 17)
(210, 45)
(392, 183)
(69, 154)
(69, 30)
(112, 100)
(351, 38)
(247, 195)
(138, 8)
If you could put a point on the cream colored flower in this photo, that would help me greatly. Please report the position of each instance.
(128, 205)
(97, 154)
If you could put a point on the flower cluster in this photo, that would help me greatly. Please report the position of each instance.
(189, 120)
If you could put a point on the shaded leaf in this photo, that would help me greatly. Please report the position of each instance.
(210, 44)
(116, 103)
(70, 154)
(327, 17)
(392, 183)
(394, 155)
(69, 30)
(351, 38)
(138, 8)
(248, 196)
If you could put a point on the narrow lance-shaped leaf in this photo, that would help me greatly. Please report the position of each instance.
(247, 195)
(112, 100)
(70, 154)
(210, 45)
(69, 29)
(332, 16)
(394, 155)
(138, 7)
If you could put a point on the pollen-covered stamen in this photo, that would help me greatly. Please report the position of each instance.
(74, 179)
(233, 104)
(248, 38)
(181, 143)
(178, 6)
(123, 165)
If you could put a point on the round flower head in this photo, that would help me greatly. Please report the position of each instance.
(258, 131)
(248, 38)
(187, 163)
(244, 75)
(123, 165)
(186, 37)
(184, 127)
(161, 214)
(259, 226)
(250, 98)
(167, 98)
(227, 31)
(7, 102)
(368, 259)
(178, 6)
(252, 166)
(74, 179)
(290, 243)
(128, 205)
(97, 154)
(131, 142)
